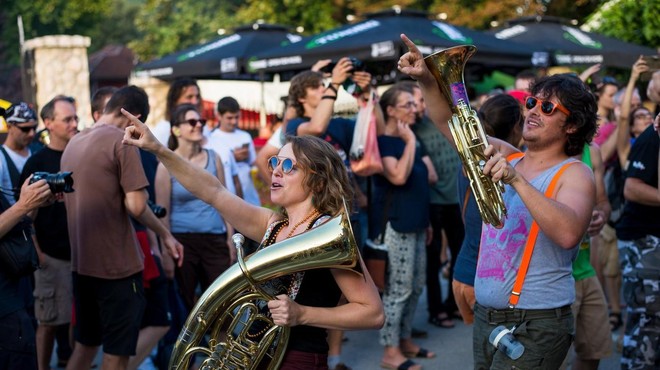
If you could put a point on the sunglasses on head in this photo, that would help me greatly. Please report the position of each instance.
(547, 107)
(194, 122)
(26, 129)
(642, 115)
(287, 164)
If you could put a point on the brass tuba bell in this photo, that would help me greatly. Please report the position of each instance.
(228, 312)
(447, 67)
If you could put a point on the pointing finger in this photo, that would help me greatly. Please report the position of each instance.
(130, 116)
(411, 45)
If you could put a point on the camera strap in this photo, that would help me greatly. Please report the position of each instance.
(531, 242)
(14, 175)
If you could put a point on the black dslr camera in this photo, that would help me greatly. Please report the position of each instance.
(358, 65)
(61, 182)
(157, 209)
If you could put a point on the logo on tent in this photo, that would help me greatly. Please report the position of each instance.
(338, 35)
(576, 36)
(212, 46)
(510, 32)
(450, 33)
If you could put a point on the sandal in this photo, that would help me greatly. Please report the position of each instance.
(407, 364)
(615, 321)
(442, 322)
(421, 353)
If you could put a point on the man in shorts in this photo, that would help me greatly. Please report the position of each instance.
(106, 259)
(52, 290)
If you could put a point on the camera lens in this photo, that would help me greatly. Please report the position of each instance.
(58, 182)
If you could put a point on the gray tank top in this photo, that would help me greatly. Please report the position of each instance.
(549, 282)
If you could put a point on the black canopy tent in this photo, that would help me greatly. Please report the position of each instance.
(222, 58)
(376, 41)
(556, 42)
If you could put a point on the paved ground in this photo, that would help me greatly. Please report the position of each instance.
(452, 346)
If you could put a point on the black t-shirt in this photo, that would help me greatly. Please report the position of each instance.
(408, 208)
(638, 219)
(150, 164)
(51, 224)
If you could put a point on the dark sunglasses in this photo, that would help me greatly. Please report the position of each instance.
(547, 107)
(26, 129)
(194, 122)
(287, 164)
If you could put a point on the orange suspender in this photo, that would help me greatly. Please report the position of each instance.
(513, 156)
(531, 242)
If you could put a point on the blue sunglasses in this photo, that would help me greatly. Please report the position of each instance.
(287, 164)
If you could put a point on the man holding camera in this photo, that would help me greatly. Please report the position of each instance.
(21, 128)
(52, 290)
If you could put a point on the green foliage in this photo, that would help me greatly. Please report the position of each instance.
(314, 17)
(630, 20)
(170, 25)
(153, 28)
(47, 17)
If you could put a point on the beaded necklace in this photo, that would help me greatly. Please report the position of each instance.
(313, 213)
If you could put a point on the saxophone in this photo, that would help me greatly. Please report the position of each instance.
(241, 335)
(447, 67)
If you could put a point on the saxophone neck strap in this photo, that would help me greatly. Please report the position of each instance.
(531, 241)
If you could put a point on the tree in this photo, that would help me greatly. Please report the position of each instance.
(47, 17)
(628, 20)
(170, 25)
(478, 14)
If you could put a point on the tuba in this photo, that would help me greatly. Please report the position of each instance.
(447, 68)
(228, 313)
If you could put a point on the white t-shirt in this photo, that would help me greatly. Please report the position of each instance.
(162, 131)
(5, 180)
(276, 140)
(230, 141)
(228, 163)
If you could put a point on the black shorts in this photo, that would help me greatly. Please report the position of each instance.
(158, 311)
(109, 312)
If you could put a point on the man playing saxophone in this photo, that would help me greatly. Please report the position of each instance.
(549, 198)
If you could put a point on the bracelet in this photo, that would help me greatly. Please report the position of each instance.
(331, 97)
(332, 88)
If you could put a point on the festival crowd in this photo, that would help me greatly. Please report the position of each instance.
(124, 256)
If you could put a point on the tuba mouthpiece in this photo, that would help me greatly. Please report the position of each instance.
(238, 240)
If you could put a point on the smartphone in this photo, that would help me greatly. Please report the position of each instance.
(653, 61)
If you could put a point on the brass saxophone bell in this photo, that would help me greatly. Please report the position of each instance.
(447, 67)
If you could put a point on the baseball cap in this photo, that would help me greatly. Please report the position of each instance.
(20, 113)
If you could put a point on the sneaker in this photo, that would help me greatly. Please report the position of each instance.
(418, 333)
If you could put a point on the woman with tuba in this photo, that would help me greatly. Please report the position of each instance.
(309, 183)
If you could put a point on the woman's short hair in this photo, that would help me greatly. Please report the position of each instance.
(326, 175)
(500, 114)
(390, 98)
(177, 116)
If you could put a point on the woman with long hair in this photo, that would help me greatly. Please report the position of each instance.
(197, 225)
(309, 183)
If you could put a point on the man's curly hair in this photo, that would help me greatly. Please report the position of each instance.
(573, 94)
